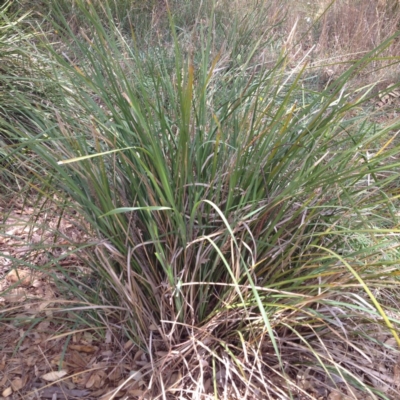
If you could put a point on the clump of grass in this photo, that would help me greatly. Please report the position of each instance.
(15, 78)
(222, 202)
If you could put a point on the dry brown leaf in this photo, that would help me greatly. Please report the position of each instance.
(7, 392)
(3, 364)
(108, 336)
(96, 394)
(174, 378)
(17, 230)
(4, 380)
(135, 375)
(391, 342)
(54, 375)
(91, 381)
(37, 283)
(396, 373)
(44, 304)
(15, 295)
(50, 293)
(128, 344)
(138, 355)
(79, 360)
(96, 380)
(136, 392)
(83, 348)
(115, 374)
(30, 361)
(153, 327)
(100, 365)
(335, 395)
(79, 379)
(108, 396)
(17, 384)
(204, 363)
(43, 326)
(76, 337)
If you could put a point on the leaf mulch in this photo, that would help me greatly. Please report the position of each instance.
(47, 351)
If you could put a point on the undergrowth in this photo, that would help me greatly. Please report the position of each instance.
(235, 217)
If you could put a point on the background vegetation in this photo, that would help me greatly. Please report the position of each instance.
(234, 186)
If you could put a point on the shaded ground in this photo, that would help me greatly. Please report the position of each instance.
(45, 353)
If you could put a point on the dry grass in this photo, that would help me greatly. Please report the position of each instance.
(330, 34)
(204, 327)
(342, 30)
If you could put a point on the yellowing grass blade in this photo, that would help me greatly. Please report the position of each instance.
(367, 289)
(75, 159)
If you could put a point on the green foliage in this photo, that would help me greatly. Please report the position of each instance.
(222, 199)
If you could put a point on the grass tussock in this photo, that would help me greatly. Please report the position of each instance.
(242, 227)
